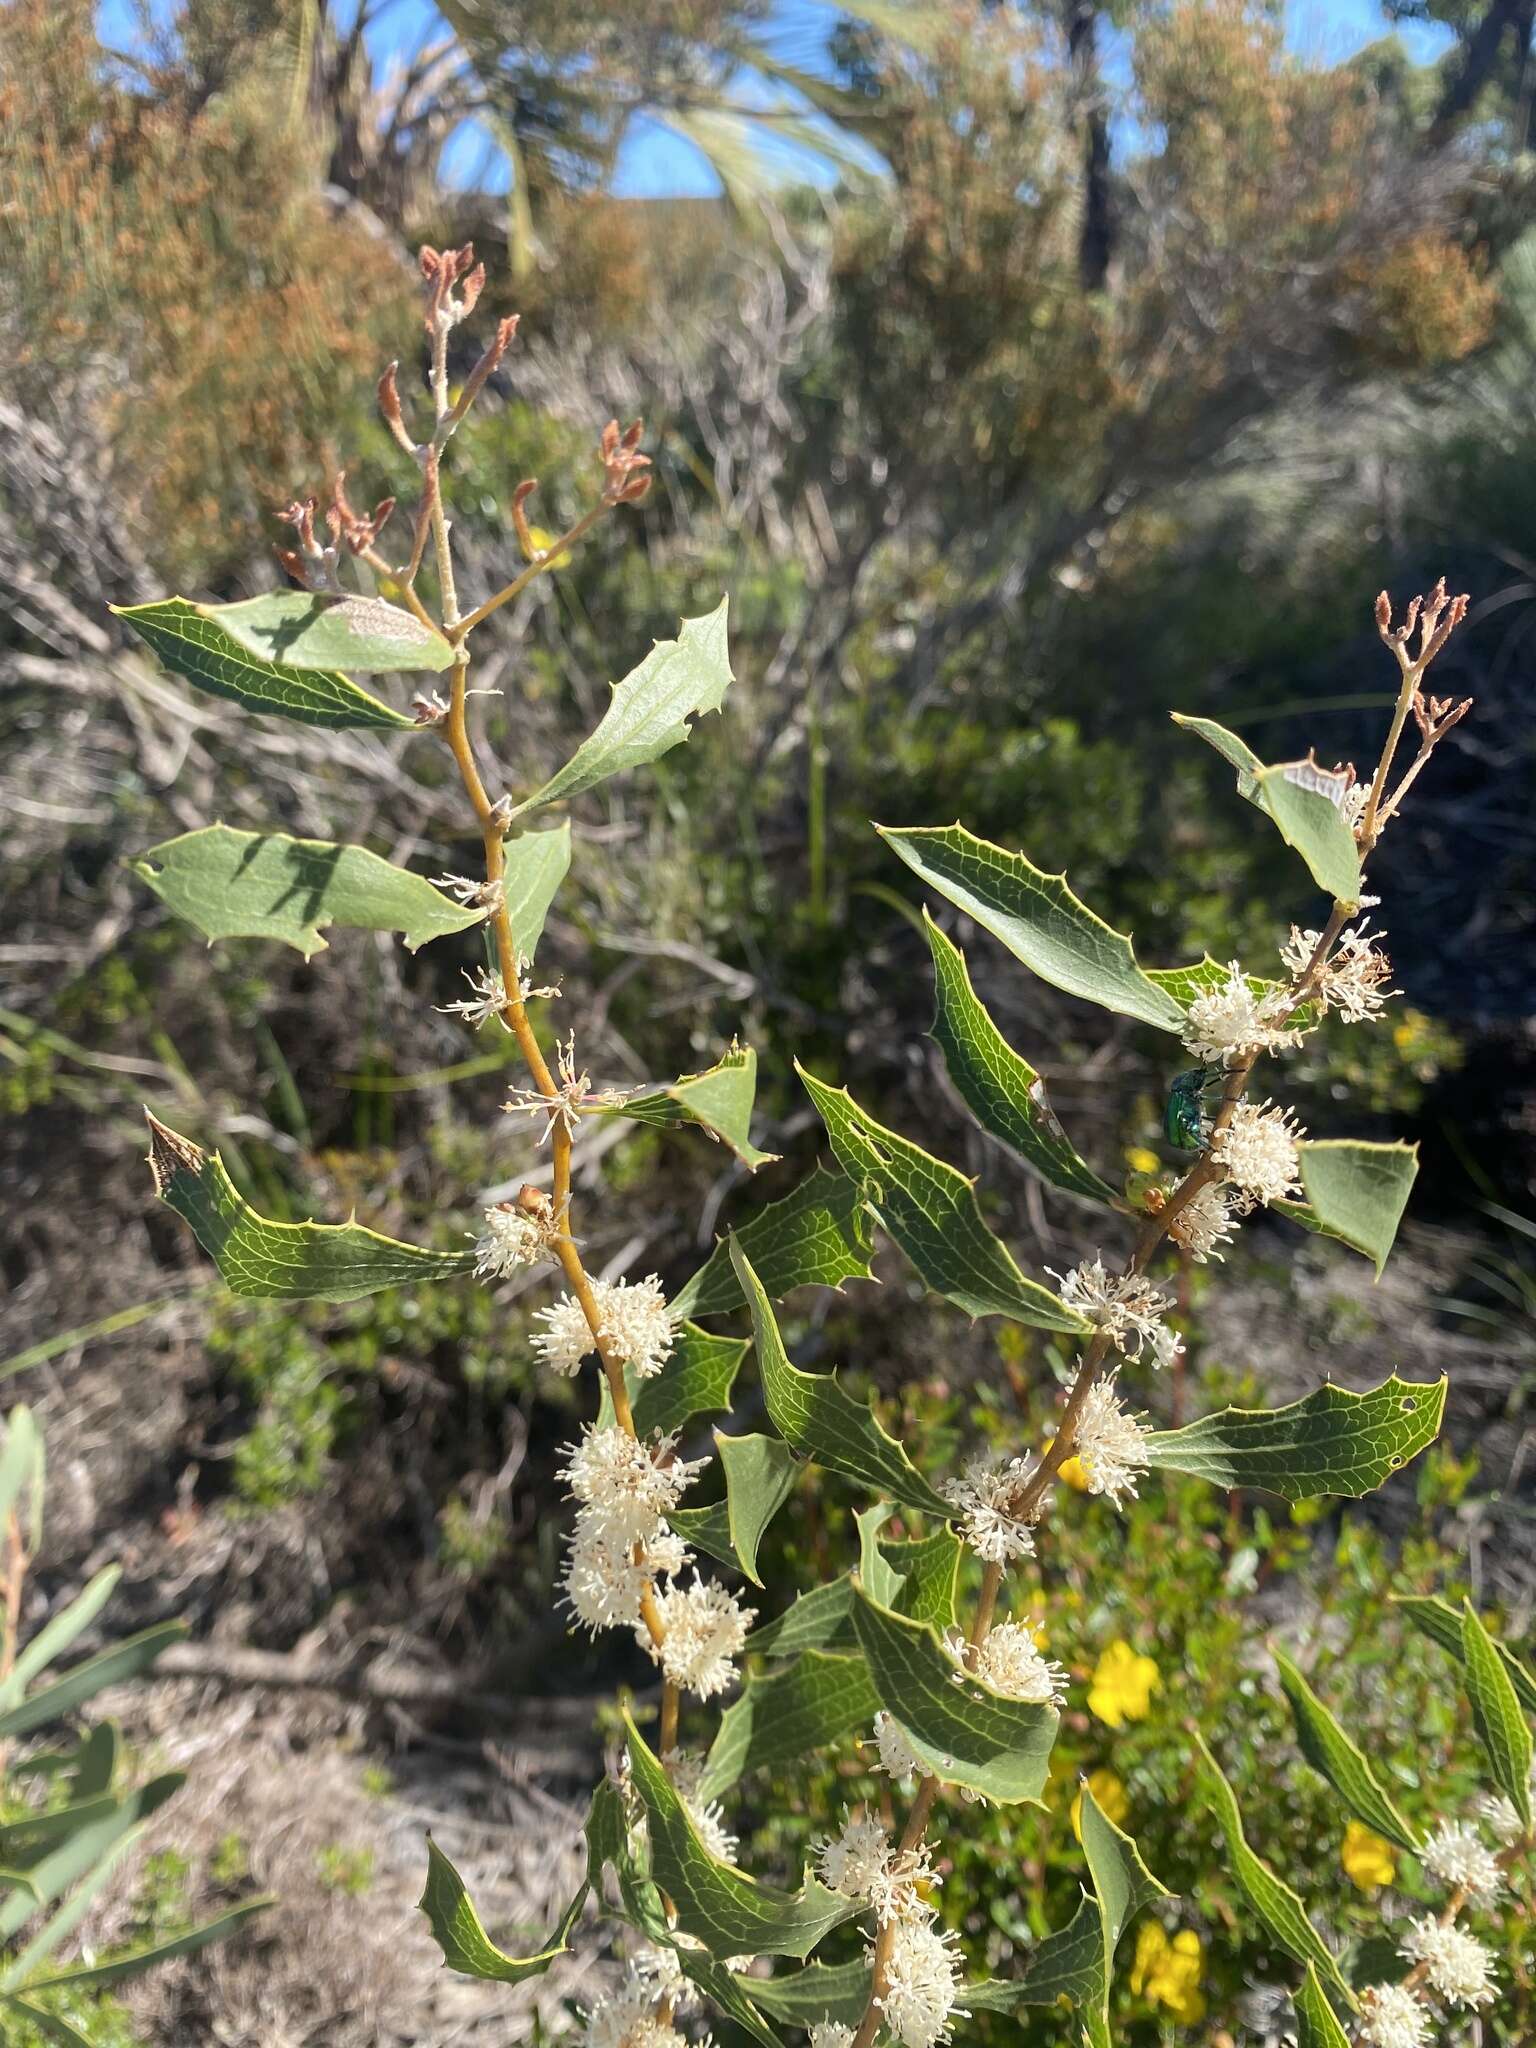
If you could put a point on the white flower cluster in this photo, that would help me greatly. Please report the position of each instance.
(831, 2034)
(1124, 1307)
(1501, 1817)
(631, 2017)
(1391, 2017)
(1258, 1150)
(1354, 979)
(516, 1234)
(921, 1966)
(622, 1542)
(632, 1318)
(1110, 1443)
(1455, 1962)
(984, 1495)
(686, 1770)
(898, 1759)
(487, 999)
(1011, 1663)
(1458, 1856)
(1205, 1222)
(705, 1628)
(1229, 1022)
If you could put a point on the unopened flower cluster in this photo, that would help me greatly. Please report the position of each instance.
(921, 1967)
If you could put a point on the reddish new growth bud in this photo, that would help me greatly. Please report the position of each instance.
(357, 531)
(442, 269)
(524, 531)
(1436, 616)
(311, 563)
(622, 463)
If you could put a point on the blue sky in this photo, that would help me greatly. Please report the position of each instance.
(655, 161)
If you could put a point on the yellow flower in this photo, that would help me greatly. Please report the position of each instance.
(1110, 1796)
(1168, 1972)
(1123, 1685)
(1140, 1160)
(1071, 1469)
(1369, 1862)
(543, 540)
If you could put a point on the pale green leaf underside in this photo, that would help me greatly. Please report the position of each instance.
(1292, 794)
(1501, 1726)
(1332, 1441)
(786, 1716)
(1277, 1906)
(189, 639)
(1317, 2024)
(1355, 1191)
(264, 885)
(1441, 1622)
(301, 629)
(536, 865)
(818, 1235)
(696, 1380)
(812, 1412)
(1037, 918)
(931, 1212)
(759, 1474)
(821, 1991)
(999, 1086)
(819, 1620)
(965, 1733)
(459, 1933)
(651, 708)
(270, 1261)
(731, 1913)
(1335, 1757)
(718, 1100)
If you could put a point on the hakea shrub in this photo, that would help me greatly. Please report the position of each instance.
(912, 1651)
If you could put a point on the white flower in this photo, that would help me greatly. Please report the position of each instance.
(1354, 979)
(630, 1487)
(1204, 1222)
(633, 1319)
(705, 1629)
(1124, 1307)
(1501, 1817)
(898, 1759)
(1457, 1856)
(985, 1494)
(472, 889)
(1259, 1153)
(687, 1774)
(1391, 2017)
(1110, 1444)
(1456, 1963)
(629, 2019)
(1010, 1662)
(831, 2034)
(488, 1000)
(922, 1977)
(515, 1235)
(661, 1971)
(1167, 1345)
(605, 1579)
(854, 1862)
(1229, 1022)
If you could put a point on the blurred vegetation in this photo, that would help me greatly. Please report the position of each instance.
(1142, 355)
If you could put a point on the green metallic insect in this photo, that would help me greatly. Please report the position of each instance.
(1185, 1122)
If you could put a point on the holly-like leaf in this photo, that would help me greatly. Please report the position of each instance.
(818, 1235)
(1441, 1622)
(536, 865)
(964, 1732)
(1335, 1757)
(819, 1620)
(264, 885)
(1303, 801)
(1355, 1192)
(719, 1905)
(696, 1380)
(760, 1472)
(1000, 1088)
(1076, 1963)
(719, 1100)
(651, 708)
(1278, 1908)
(931, 1212)
(729, 1993)
(1501, 1727)
(811, 1412)
(821, 1991)
(789, 1715)
(269, 1261)
(302, 629)
(1317, 2024)
(1038, 919)
(880, 1580)
(189, 639)
(1333, 1441)
(930, 1574)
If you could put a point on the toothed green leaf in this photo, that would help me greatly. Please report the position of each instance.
(788, 1715)
(816, 1236)
(719, 1100)
(1332, 1754)
(307, 630)
(536, 865)
(1333, 1441)
(1501, 1726)
(1303, 801)
(1355, 1192)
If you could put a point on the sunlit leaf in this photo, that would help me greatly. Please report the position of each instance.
(1502, 1728)
(1355, 1191)
(305, 629)
(1333, 1441)
(817, 1235)
(1346, 1767)
(536, 865)
(1441, 1622)
(1303, 801)
(718, 1100)
(786, 1716)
